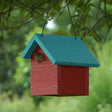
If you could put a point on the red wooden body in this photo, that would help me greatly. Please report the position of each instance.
(49, 79)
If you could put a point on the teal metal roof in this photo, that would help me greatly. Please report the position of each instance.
(62, 50)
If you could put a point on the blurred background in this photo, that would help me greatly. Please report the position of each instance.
(19, 20)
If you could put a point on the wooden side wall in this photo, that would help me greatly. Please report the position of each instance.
(43, 76)
(73, 80)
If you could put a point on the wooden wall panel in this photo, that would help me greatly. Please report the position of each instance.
(43, 76)
(73, 80)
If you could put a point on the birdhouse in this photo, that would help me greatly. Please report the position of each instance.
(59, 65)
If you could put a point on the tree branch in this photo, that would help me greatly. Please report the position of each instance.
(8, 28)
(105, 9)
(97, 14)
(9, 10)
(98, 22)
(62, 9)
(3, 27)
(107, 33)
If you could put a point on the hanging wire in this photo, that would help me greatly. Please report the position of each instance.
(71, 20)
(46, 18)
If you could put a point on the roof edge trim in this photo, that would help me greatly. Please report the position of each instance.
(29, 48)
(77, 64)
(43, 47)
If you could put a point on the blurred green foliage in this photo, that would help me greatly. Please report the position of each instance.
(16, 13)
(9, 48)
(24, 104)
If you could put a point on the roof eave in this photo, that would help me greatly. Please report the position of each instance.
(44, 48)
(77, 64)
(31, 47)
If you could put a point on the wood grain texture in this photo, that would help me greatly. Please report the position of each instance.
(73, 80)
(43, 76)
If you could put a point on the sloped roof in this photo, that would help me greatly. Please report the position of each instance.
(61, 50)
